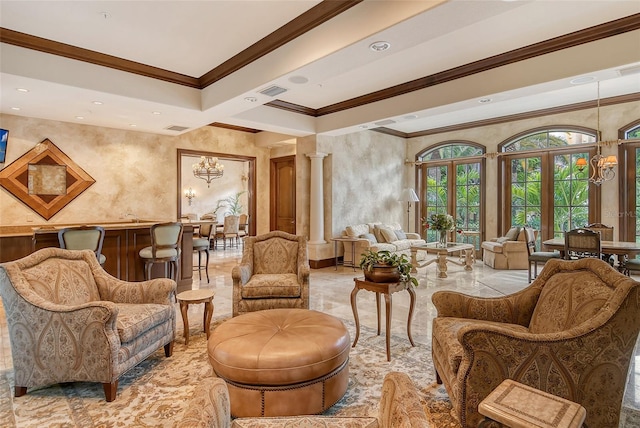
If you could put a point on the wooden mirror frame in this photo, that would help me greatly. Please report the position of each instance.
(251, 183)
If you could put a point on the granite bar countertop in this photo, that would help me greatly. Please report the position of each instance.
(28, 230)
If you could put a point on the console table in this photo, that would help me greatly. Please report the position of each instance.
(387, 289)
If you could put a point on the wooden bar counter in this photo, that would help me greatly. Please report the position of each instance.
(122, 242)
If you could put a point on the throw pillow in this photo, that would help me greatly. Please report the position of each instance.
(502, 239)
(512, 234)
(400, 234)
(370, 237)
(388, 234)
(378, 233)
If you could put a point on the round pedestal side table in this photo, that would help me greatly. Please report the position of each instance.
(189, 297)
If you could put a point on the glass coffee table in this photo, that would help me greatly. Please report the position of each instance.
(441, 256)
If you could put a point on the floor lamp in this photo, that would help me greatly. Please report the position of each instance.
(408, 195)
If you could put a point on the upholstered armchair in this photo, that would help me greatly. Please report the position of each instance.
(570, 333)
(273, 273)
(399, 408)
(71, 321)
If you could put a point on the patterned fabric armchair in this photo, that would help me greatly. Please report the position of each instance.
(399, 408)
(71, 321)
(571, 333)
(273, 273)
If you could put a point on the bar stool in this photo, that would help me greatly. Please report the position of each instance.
(203, 243)
(83, 238)
(166, 241)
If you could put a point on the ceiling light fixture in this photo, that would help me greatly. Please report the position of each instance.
(98, 103)
(155, 112)
(22, 90)
(582, 80)
(208, 169)
(80, 117)
(299, 80)
(15, 108)
(603, 166)
(379, 46)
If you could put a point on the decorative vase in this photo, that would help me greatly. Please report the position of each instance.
(442, 241)
(382, 273)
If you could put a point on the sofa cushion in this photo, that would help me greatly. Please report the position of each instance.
(567, 300)
(63, 281)
(275, 255)
(135, 319)
(494, 247)
(274, 286)
(388, 234)
(502, 239)
(404, 244)
(370, 237)
(400, 234)
(512, 234)
(357, 230)
(382, 246)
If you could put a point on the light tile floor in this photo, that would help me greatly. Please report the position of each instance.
(330, 291)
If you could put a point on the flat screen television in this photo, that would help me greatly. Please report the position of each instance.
(4, 137)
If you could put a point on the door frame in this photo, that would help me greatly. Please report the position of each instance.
(273, 220)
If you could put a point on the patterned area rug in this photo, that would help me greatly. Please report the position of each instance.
(154, 393)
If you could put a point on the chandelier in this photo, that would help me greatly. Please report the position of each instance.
(208, 169)
(603, 167)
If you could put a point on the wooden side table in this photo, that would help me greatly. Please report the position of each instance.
(520, 406)
(345, 240)
(386, 288)
(192, 297)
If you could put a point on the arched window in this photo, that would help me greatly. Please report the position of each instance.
(451, 177)
(543, 186)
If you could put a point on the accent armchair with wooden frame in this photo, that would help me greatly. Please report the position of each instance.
(70, 321)
(274, 273)
(571, 333)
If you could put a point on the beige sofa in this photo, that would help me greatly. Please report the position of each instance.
(507, 252)
(399, 408)
(379, 237)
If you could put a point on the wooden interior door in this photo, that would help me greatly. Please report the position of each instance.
(283, 194)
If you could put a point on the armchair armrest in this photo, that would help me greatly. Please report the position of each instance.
(241, 273)
(515, 308)
(209, 406)
(400, 405)
(514, 246)
(158, 291)
(412, 235)
(303, 273)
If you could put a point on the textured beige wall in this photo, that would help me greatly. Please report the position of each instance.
(135, 172)
(612, 118)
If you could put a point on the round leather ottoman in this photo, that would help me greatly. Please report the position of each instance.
(281, 362)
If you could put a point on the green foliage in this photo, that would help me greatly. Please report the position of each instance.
(234, 206)
(372, 258)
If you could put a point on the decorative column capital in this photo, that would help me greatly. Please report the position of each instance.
(316, 155)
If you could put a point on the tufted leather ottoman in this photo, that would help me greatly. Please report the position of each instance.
(281, 362)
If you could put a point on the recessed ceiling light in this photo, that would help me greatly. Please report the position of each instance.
(410, 116)
(379, 46)
(582, 80)
(15, 108)
(298, 79)
(484, 100)
(98, 103)
(155, 112)
(133, 125)
(251, 99)
(22, 90)
(80, 117)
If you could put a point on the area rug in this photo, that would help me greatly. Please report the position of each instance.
(154, 393)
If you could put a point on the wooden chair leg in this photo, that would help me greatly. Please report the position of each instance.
(168, 349)
(19, 391)
(206, 268)
(110, 390)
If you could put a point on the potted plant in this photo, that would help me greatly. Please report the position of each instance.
(384, 266)
(233, 204)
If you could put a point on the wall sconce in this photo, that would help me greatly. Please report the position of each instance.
(190, 194)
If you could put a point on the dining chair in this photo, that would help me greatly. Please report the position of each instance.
(243, 226)
(606, 234)
(202, 243)
(536, 257)
(83, 238)
(166, 241)
(581, 243)
(229, 230)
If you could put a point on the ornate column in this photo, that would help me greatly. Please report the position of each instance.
(316, 206)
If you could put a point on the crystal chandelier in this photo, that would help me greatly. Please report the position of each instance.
(603, 167)
(208, 169)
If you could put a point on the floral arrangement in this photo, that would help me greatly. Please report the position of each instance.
(439, 222)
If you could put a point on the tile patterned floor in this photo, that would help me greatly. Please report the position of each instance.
(330, 292)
